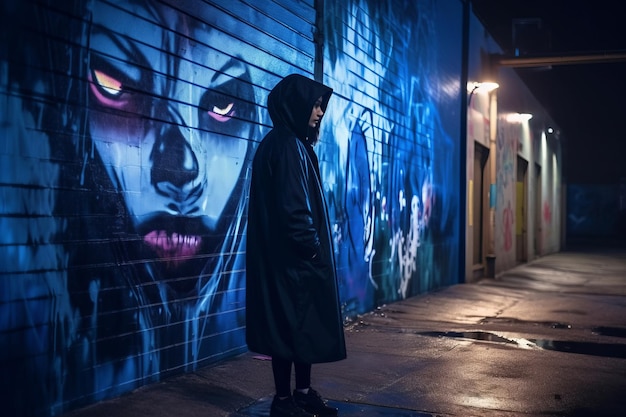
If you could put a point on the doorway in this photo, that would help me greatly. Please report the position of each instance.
(538, 228)
(479, 205)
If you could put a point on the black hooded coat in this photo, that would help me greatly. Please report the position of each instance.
(292, 299)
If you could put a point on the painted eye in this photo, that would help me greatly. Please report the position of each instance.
(108, 84)
(222, 114)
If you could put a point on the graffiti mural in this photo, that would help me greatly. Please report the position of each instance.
(507, 138)
(128, 127)
(145, 128)
(395, 217)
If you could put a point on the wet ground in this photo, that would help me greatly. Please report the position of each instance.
(547, 338)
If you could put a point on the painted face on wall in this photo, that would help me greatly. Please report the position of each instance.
(171, 115)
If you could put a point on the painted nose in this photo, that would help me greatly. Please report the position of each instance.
(173, 161)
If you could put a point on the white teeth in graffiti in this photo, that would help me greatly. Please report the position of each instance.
(174, 244)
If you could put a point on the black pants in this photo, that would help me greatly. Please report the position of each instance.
(282, 376)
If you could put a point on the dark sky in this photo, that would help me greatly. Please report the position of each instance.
(586, 100)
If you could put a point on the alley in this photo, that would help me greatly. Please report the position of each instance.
(547, 338)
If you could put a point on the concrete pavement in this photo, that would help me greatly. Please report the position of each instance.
(547, 338)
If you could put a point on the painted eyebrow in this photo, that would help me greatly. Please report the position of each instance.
(119, 56)
(232, 69)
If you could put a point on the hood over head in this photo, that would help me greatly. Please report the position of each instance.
(291, 101)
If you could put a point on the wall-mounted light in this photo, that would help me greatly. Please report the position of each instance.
(550, 130)
(518, 117)
(485, 87)
(475, 87)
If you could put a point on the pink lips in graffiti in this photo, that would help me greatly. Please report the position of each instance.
(175, 246)
(178, 246)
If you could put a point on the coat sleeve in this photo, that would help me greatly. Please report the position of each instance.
(293, 176)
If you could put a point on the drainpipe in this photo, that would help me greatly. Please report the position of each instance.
(463, 268)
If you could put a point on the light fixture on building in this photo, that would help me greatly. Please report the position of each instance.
(486, 87)
(475, 87)
(518, 117)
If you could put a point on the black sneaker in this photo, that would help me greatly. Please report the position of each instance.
(287, 408)
(314, 403)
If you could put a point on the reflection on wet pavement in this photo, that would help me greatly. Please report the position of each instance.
(612, 350)
(610, 331)
(509, 320)
(484, 336)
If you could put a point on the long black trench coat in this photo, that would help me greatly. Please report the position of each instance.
(292, 300)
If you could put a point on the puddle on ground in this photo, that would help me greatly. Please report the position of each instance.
(609, 331)
(511, 320)
(484, 336)
(261, 408)
(610, 350)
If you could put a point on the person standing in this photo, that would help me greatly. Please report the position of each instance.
(293, 313)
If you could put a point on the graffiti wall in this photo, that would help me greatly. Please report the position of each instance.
(508, 139)
(127, 131)
(391, 142)
(518, 216)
